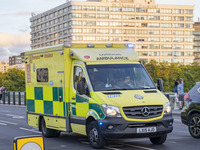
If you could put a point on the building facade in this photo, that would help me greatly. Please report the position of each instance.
(4, 66)
(197, 41)
(14, 60)
(160, 32)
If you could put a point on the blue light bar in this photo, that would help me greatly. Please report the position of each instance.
(130, 45)
(100, 123)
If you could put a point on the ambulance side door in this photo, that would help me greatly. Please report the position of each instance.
(79, 105)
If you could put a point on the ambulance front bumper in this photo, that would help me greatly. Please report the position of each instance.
(119, 128)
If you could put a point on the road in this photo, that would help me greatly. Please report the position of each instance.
(13, 124)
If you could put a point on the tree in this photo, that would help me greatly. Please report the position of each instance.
(14, 80)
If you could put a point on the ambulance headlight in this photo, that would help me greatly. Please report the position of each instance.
(111, 111)
(168, 109)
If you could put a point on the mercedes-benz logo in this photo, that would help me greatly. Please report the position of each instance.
(145, 111)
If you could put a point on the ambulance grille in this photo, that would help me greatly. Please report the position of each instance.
(137, 112)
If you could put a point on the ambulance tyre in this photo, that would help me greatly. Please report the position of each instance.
(95, 137)
(46, 132)
(158, 140)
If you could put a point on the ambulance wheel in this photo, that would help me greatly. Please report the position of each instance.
(94, 135)
(46, 132)
(158, 140)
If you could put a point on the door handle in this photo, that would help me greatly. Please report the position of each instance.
(60, 98)
(73, 98)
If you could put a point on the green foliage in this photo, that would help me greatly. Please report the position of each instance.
(13, 79)
(171, 72)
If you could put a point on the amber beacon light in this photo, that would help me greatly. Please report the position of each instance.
(29, 143)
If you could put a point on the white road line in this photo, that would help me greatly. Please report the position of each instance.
(3, 124)
(85, 143)
(141, 147)
(29, 130)
(8, 122)
(6, 111)
(15, 116)
(111, 148)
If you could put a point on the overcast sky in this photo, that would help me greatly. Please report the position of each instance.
(15, 24)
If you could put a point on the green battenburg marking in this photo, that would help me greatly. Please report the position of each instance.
(30, 105)
(80, 99)
(97, 108)
(55, 94)
(60, 89)
(73, 109)
(48, 107)
(67, 109)
(38, 93)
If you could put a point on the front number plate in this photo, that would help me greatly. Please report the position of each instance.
(146, 130)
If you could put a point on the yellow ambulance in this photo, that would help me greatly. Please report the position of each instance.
(98, 90)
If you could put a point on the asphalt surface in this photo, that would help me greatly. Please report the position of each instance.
(13, 124)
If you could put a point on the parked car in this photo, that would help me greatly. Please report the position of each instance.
(190, 115)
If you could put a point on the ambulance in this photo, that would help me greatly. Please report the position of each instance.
(98, 90)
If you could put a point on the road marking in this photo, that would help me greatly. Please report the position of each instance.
(15, 116)
(85, 143)
(6, 111)
(8, 122)
(111, 148)
(29, 130)
(3, 124)
(141, 147)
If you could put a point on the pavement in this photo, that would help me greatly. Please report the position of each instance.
(176, 112)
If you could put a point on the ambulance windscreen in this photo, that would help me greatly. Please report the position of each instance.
(113, 77)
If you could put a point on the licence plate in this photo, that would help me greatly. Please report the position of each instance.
(146, 130)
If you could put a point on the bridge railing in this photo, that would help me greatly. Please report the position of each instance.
(13, 98)
(19, 98)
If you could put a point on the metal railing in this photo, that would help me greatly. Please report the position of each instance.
(13, 98)
(172, 99)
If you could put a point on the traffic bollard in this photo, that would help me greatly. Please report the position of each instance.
(9, 98)
(13, 98)
(19, 96)
(3, 98)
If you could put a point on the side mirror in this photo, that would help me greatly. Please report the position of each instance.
(160, 84)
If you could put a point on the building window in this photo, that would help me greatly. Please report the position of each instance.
(166, 53)
(115, 39)
(154, 17)
(188, 25)
(141, 10)
(188, 11)
(76, 15)
(102, 38)
(102, 31)
(89, 16)
(166, 18)
(115, 9)
(154, 39)
(93, 31)
(42, 75)
(90, 8)
(89, 23)
(115, 31)
(101, 8)
(178, 39)
(178, 11)
(104, 16)
(154, 10)
(115, 24)
(166, 11)
(89, 38)
(116, 16)
(128, 9)
(75, 8)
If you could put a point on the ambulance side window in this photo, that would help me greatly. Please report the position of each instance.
(78, 76)
(42, 75)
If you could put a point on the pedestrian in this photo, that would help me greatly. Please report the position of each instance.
(0, 92)
(181, 93)
(176, 91)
